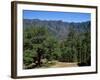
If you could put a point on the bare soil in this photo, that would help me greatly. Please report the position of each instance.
(64, 64)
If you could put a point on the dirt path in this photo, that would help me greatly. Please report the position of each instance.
(64, 64)
(56, 64)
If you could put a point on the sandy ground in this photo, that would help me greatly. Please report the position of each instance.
(57, 65)
(64, 64)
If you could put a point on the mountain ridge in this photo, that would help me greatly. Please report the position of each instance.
(57, 27)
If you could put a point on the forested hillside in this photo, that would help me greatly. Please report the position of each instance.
(48, 42)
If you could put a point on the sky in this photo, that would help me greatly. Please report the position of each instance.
(51, 15)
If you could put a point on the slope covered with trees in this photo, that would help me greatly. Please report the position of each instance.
(48, 42)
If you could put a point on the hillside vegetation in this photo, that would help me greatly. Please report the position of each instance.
(49, 43)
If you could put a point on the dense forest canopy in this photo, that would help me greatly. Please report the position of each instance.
(48, 41)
